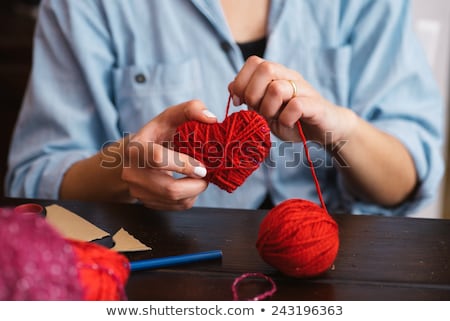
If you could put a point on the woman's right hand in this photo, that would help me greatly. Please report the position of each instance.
(148, 164)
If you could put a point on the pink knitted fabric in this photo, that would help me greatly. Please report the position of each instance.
(36, 263)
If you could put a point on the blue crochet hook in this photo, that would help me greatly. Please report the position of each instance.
(168, 261)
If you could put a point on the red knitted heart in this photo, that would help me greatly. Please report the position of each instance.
(230, 150)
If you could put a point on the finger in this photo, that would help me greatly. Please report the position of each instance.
(163, 203)
(166, 191)
(252, 87)
(142, 154)
(238, 86)
(278, 93)
(163, 126)
(169, 191)
(304, 108)
(182, 188)
(177, 206)
(191, 110)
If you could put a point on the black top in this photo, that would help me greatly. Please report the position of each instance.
(256, 47)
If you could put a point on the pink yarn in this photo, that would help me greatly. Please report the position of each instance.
(259, 297)
(36, 262)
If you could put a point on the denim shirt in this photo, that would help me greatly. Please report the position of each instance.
(104, 68)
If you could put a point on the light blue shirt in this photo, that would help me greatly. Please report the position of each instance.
(104, 68)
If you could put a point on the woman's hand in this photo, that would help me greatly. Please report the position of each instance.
(149, 164)
(282, 96)
(376, 166)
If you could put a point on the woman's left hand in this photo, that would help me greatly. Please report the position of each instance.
(282, 97)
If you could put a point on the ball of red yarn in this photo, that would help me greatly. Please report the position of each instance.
(299, 238)
(102, 272)
(230, 150)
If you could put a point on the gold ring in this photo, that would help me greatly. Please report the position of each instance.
(294, 88)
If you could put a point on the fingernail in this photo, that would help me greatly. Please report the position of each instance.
(200, 171)
(209, 114)
(236, 100)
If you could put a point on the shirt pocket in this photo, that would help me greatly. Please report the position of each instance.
(142, 92)
(328, 70)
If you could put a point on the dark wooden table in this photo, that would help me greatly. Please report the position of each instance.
(380, 258)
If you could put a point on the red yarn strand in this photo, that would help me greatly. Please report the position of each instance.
(228, 106)
(313, 172)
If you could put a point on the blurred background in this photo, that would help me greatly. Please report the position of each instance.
(16, 32)
(17, 20)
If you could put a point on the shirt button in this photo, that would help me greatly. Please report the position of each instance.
(140, 78)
